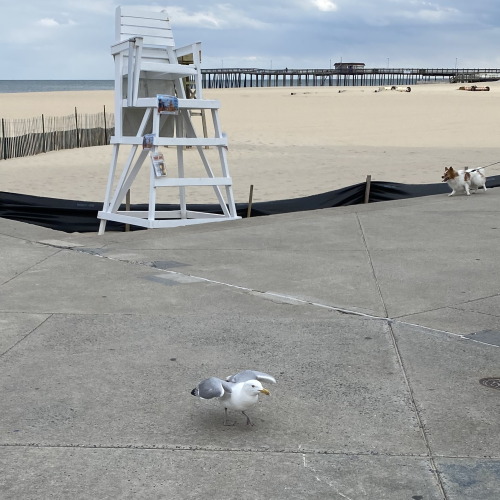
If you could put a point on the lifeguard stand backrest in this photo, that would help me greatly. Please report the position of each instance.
(158, 46)
(153, 27)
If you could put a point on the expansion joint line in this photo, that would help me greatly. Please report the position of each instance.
(174, 447)
(30, 267)
(421, 424)
(25, 336)
(374, 274)
(291, 451)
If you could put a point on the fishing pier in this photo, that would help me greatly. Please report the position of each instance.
(342, 77)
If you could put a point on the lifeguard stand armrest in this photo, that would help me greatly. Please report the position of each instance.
(186, 50)
(124, 45)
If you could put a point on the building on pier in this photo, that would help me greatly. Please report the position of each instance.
(348, 66)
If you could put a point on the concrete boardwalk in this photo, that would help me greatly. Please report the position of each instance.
(378, 321)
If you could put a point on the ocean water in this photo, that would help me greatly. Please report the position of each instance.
(16, 86)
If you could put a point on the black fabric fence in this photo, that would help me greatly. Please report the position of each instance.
(81, 216)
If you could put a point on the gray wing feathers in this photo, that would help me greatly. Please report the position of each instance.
(251, 375)
(212, 387)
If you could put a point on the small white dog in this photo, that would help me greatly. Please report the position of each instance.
(464, 180)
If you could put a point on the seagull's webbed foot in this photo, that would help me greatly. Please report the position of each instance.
(249, 422)
(225, 419)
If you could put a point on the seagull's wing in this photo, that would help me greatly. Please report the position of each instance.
(251, 375)
(212, 387)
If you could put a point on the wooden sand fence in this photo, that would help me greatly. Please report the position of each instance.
(40, 134)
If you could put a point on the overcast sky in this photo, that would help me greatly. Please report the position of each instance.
(70, 39)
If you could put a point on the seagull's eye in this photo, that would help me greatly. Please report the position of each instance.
(253, 385)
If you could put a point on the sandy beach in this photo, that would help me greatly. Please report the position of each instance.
(287, 142)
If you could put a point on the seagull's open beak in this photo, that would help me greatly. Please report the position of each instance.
(265, 391)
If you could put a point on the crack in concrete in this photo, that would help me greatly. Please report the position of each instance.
(286, 299)
(317, 474)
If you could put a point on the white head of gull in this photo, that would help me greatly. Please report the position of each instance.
(237, 392)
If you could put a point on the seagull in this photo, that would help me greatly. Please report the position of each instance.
(237, 392)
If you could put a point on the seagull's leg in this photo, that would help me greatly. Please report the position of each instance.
(225, 418)
(249, 422)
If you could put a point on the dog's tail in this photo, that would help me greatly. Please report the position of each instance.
(479, 170)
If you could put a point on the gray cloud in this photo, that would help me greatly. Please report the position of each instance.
(70, 39)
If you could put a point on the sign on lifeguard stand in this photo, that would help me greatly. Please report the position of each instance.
(153, 118)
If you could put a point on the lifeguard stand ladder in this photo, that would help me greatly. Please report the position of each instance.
(147, 65)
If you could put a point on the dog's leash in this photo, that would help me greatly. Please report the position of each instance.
(479, 168)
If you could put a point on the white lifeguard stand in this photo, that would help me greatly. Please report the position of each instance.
(148, 70)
